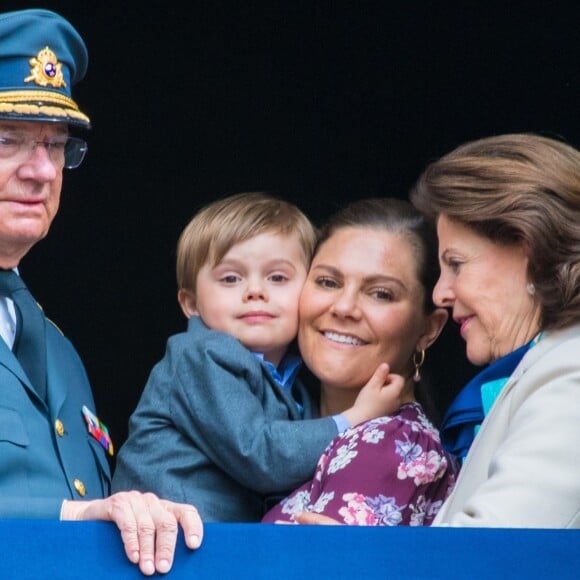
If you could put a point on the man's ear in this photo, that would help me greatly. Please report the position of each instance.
(433, 327)
(186, 299)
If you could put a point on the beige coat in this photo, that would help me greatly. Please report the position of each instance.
(523, 469)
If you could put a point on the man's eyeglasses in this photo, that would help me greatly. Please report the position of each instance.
(63, 151)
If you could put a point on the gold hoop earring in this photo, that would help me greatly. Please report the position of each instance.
(418, 364)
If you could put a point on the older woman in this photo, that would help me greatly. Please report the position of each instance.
(366, 301)
(508, 222)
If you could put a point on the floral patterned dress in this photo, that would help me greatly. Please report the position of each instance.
(391, 471)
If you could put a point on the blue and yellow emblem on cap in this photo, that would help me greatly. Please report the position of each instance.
(46, 70)
(42, 57)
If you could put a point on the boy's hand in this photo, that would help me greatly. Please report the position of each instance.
(379, 397)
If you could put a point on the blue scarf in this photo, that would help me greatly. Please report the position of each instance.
(465, 414)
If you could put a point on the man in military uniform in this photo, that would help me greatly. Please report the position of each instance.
(53, 446)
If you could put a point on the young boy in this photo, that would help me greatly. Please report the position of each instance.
(217, 424)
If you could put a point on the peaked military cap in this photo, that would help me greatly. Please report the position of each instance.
(42, 57)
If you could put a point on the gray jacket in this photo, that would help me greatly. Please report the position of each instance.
(214, 429)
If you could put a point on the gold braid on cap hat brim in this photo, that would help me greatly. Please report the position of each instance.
(19, 102)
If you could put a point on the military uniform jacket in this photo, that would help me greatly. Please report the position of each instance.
(214, 429)
(46, 452)
(523, 468)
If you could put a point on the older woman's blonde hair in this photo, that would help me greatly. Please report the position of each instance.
(220, 225)
(520, 189)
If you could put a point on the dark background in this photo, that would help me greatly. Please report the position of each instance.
(321, 102)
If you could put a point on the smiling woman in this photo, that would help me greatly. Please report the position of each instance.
(367, 301)
(360, 307)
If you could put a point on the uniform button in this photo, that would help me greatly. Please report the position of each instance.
(80, 487)
(59, 427)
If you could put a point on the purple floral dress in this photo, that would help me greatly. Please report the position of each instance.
(391, 471)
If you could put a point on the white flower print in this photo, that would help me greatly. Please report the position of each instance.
(373, 435)
(296, 504)
(344, 455)
(321, 502)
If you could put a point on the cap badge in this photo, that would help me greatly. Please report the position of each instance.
(46, 70)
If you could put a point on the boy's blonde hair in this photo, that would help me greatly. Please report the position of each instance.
(217, 227)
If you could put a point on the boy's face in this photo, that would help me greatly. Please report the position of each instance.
(253, 293)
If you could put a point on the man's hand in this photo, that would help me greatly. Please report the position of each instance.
(148, 525)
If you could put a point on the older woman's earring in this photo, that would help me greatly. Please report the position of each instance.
(531, 289)
(418, 362)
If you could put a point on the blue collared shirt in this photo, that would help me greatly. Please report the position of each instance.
(285, 375)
